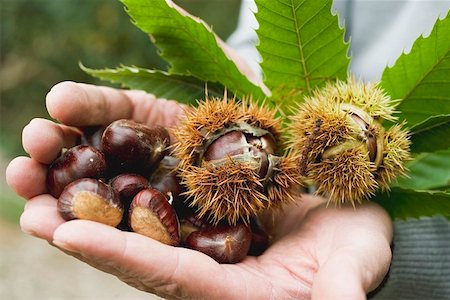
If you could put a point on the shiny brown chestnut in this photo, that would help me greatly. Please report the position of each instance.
(230, 144)
(182, 208)
(165, 178)
(134, 147)
(237, 143)
(127, 185)
(224, 243)
(90, 199)
(92, 136)
(260, 239)
(152, 215)
(189, 223)
(81, 161)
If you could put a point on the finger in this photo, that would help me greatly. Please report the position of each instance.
(352, 273)
(26, 177)
(79, 104)
(149, 110)
(43, 139)
(163, 269)
(93, 264)
(359, 255)
(338, 279)
(41, 217)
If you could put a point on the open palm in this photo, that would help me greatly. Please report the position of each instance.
(318, 252)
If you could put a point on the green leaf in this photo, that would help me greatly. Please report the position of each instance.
(422, 77)
(189, 45)
(301, 45)
(406, 203)
(427, 171)
(431, 135)
(185, 89)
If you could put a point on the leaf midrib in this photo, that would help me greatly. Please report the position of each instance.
(299, 43)
(142, 74)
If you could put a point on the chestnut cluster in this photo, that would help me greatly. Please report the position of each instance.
(123, 175)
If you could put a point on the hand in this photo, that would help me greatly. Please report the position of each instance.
(318, 252)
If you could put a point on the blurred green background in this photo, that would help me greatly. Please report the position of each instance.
(42, 42)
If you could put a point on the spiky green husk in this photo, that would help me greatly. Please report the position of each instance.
(330, 131)
(347, 177)
(231, 189)
(209, 117)
(396, 152)
(260, 116)
(215, 114)
(284, 185)
(317, 125)
(367, 96)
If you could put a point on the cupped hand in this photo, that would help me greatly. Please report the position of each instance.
(317, 251)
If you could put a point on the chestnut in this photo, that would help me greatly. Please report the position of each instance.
(165, 178)
(90, 199)
(182, 208)
(237, 143)
(191, 222)
(186, 228)
(152, 215)
(134, 147)
(260, 239)
(92, 136)
(230, 144)
(81, 161)
(224, 243)
(127, 185)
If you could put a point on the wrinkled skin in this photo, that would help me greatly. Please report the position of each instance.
(318, 252)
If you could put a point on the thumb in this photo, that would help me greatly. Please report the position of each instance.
(353, 271)
(339, 278)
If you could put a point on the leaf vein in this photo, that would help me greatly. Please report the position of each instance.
(299, 5)
(313, 16)
(318, 33)
(321, 47)
(277, 25)
(281, 56)
(276, 40)
(275, 12)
